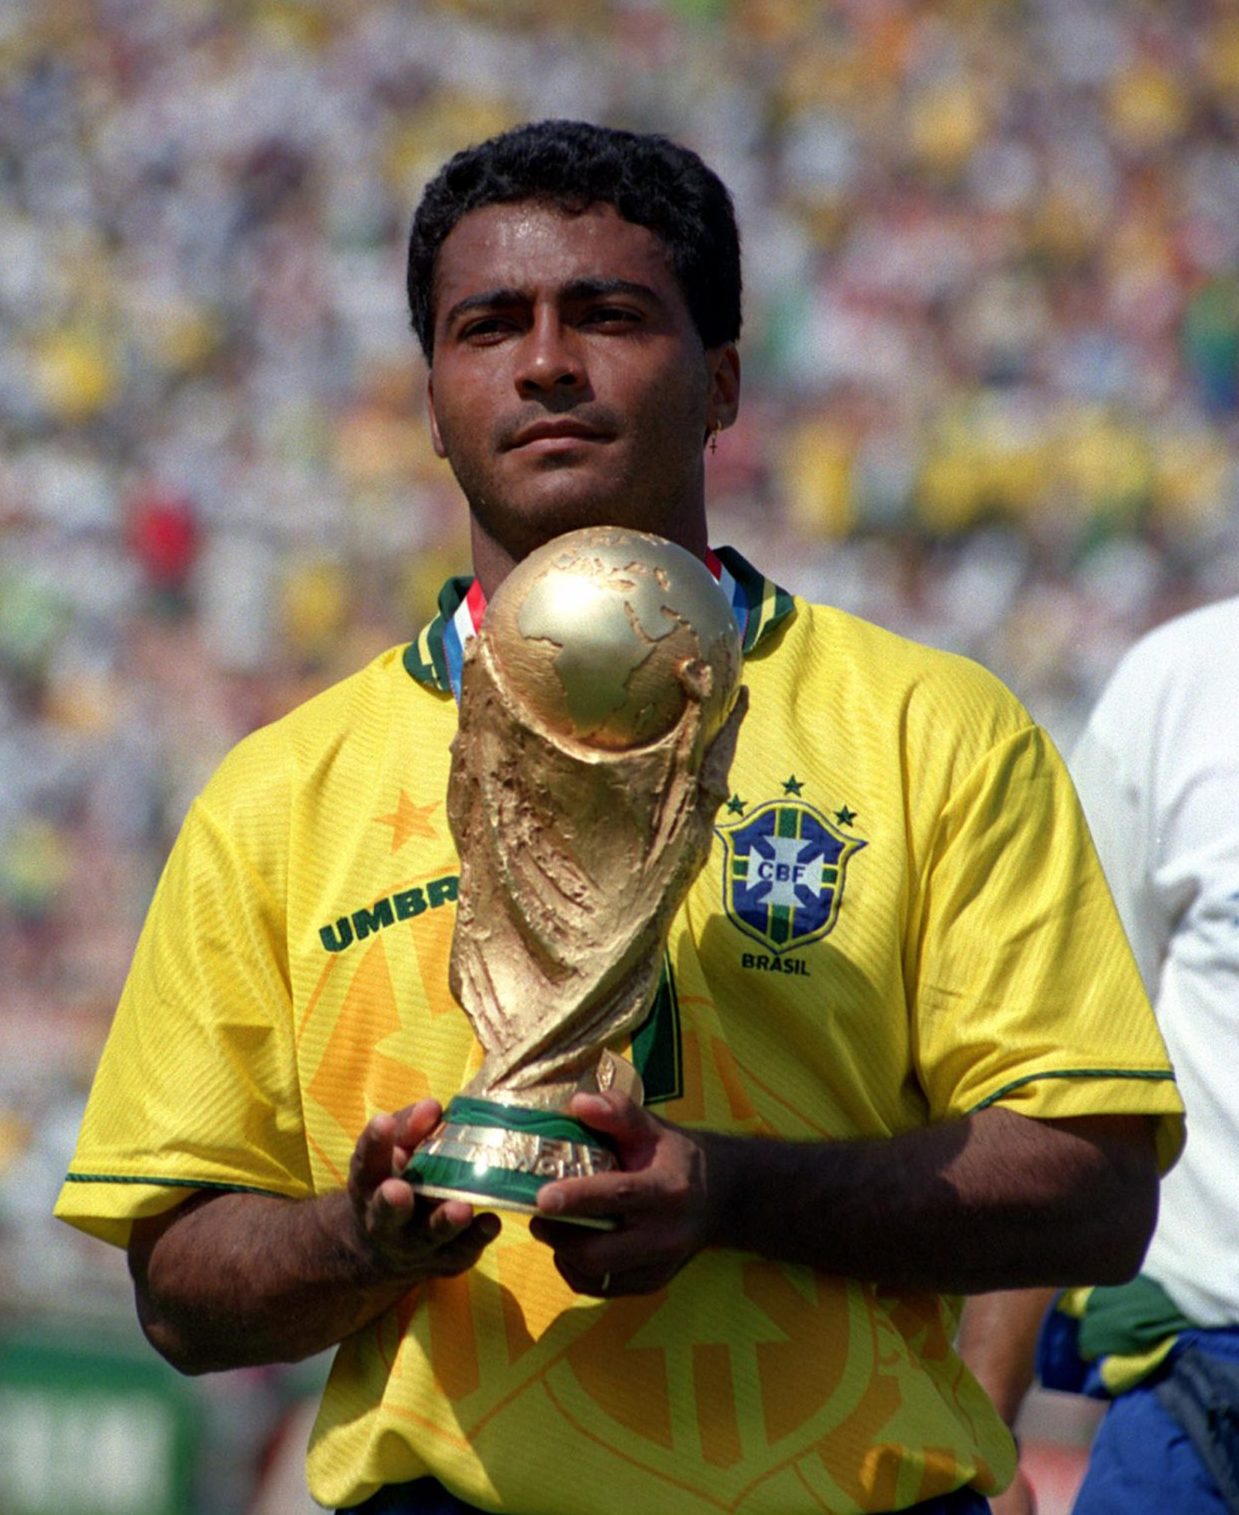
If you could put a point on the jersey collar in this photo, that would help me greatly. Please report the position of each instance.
(435, 658)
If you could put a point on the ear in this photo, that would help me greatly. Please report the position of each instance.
(435, 438)
(723, 366)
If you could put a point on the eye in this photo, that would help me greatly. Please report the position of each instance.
(611, 315)
(485, 329)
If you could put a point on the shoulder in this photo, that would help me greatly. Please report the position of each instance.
(878, 678)
(1193, 643)
(1182, 669)
(343, 729)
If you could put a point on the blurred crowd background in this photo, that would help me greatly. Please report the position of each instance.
(991, 360)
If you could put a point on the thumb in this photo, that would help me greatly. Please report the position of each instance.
(413, 1125)
(629, 1126)
(372, 1156)
(386, 1143)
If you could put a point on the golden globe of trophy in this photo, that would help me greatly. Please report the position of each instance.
(600, 703)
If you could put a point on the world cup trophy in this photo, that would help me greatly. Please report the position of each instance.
(600, 704)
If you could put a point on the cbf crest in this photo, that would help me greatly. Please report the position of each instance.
(783, 873)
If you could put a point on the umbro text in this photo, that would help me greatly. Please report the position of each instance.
(401, 906)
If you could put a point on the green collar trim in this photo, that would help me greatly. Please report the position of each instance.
(426, 659)
(767, 605)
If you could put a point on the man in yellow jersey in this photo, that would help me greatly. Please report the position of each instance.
(900, 1050)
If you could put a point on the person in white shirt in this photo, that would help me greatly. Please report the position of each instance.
(1157, 768)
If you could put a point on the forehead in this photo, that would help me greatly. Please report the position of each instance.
(536, 248)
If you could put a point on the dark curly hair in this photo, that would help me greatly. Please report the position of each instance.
(650, 180)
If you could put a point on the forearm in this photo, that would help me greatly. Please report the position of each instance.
(233, 1280)
(998, 1341)
(245, 1279)
(993, 1201)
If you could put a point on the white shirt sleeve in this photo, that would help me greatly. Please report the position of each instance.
(1113, 778)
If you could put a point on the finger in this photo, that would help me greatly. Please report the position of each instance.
(592, 1251)
(407, 1226)
(416, 1121)
(644, 1259)
(584, 1277)
(395, 1196)
(389, 1211)
(596, 1285)
(460, 1255)
(602, 1196)
(454, 1249)
(397, 1206)
(461, 1250)
(413, 1125)
(616, 1115)
(609, 1111)
(448, 1219)
(632, 1129)
(612, 1283)
(371, 1160)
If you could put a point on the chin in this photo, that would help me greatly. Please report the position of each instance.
(540, 521)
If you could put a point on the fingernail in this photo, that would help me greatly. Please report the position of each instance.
(550, 1203)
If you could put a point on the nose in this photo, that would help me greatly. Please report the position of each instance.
(551, 358)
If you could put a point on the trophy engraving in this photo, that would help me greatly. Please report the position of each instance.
(600, 704)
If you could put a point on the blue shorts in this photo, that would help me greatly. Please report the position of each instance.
(427, 1496)
(1143, 1461)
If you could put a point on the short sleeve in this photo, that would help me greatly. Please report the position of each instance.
(1025, 989)
(197, 1087)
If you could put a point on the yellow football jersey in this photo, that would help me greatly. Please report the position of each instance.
(902, 922)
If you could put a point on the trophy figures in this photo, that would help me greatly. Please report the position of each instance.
(599, 709)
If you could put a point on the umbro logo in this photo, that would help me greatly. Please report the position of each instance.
(403, 905)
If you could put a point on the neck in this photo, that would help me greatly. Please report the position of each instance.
(493, 561)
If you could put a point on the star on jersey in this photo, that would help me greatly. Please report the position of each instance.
(408, 820)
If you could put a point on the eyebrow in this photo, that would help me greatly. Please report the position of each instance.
(578, 289)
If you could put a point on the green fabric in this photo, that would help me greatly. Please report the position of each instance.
(423, 658)
(1129, 1320)
(769, 605)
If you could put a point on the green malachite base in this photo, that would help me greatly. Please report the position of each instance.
(500, 1155)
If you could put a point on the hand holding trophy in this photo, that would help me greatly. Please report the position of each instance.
(600, 704)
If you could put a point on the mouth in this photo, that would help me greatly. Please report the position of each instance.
(554, 435)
